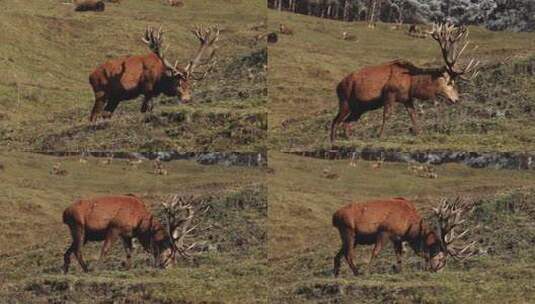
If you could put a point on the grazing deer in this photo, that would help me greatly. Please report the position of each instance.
(396, 219)
(158, 167)
(149, 75)
(379, 163)
(400, 81)
(327, 173)
(415, 31)
(134, 163)
(108, 218)
(283, 29)
(347, 36)
(175, 3)
(57, 170)
(422, 170)
(108, 160)
(354, 159)
(89, 5)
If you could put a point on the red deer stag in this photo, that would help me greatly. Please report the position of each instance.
(397, 220)
(150, 75)
(126, 217)
(400, 81)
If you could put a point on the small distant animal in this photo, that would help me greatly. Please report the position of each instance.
(258, 26)
(57, 170)
(108, 160)
(158, 167)
(175, 3)
(415, 31)
(327, 173)
(347, 36)
(378, 164)
(422, 170)
(354, 159)
(89, 5)
(110, 217)
(283, 29)
(2, 167)
(375, 222)
(134, 163)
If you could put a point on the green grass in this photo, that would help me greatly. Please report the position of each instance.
(47, 52)
(302, 241)
(33, 200)
(495, 112)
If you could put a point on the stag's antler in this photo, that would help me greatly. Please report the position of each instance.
(155, 42)
(451, 214)
(207, 36)
(453, 41)
(180, 213)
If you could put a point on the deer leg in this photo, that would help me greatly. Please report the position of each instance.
(342, 115)
(398, 249)
(77, 243)
(338, 261)
(348, 245)
(379, 243)
(412, 114)
(147, 104)
(110, 108)
(108, 241)
(67, 258)
(127, 243)
(389, 103)
(100, 100)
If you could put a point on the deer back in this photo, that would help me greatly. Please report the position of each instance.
(370, 83)
(100, 214)
(397, 216)
(133, 74)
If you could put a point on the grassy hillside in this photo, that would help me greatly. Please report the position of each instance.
(305, 192)
(233, 269)
(496, 111)
(47, 52)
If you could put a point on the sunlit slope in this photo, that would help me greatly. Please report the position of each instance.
(48, 51)
(495, 112)
(305, 192)
(233, 269)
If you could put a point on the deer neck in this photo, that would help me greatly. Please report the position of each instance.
(423, 86)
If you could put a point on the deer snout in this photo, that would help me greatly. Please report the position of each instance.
(185, 97)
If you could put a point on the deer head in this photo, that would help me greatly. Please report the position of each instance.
(181, 213)
(451, 215)
(453, 41)
(179, 79)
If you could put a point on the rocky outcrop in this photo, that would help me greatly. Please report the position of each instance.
(498, 160)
